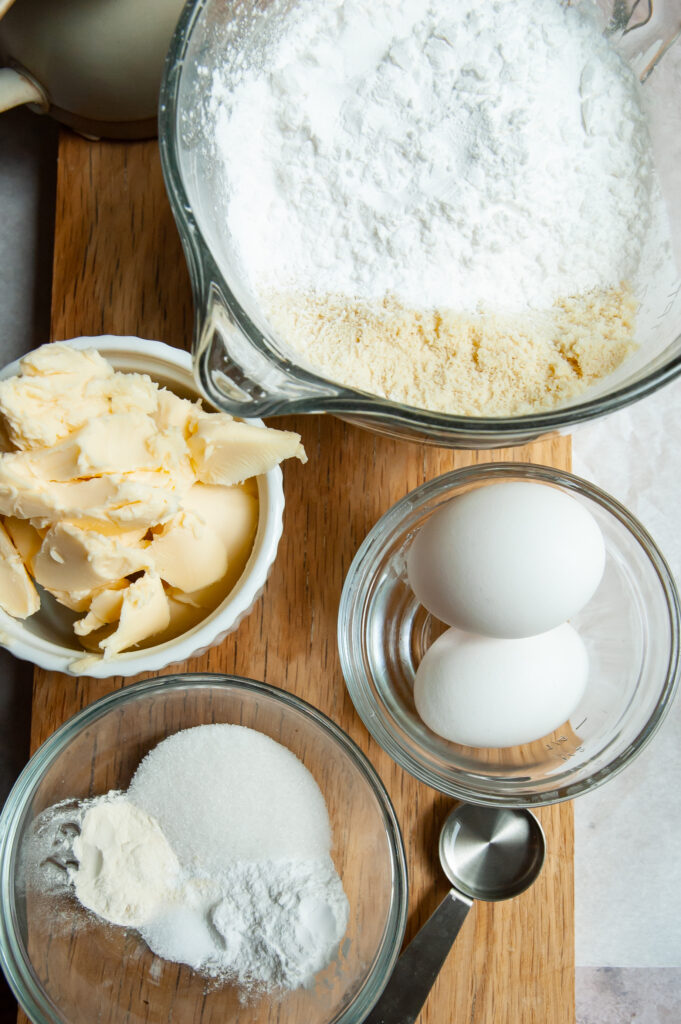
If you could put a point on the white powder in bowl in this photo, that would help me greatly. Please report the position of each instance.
(461, 155)
(126, 868)
(266, 924)
(218, 854)
(224, 792)
(458, 159)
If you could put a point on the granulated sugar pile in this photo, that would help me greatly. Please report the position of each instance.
(441, 203)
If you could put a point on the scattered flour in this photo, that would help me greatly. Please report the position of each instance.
(439, 159)
(231, 875)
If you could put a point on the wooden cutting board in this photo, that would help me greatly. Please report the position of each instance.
(119, 269)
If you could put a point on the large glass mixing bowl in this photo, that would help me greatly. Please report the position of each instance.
(242, 365)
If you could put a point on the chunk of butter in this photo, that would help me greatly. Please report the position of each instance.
(105, 608)
(73, 560)
(26, 539)
(144, 612)
(226, 451)
(18, 596)
(118, 498)
(187, 553)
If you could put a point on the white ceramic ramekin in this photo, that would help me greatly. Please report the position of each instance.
(47, 639)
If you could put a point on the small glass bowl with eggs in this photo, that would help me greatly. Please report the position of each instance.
(509, 634)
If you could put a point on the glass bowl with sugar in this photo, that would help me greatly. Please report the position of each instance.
(263, 785)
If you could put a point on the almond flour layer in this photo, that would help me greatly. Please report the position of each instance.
(460, 363)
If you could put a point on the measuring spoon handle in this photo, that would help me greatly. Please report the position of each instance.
(419, 965)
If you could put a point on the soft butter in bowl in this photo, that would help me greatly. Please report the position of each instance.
(137, 527)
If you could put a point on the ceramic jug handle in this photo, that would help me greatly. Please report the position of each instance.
(16, 85)
(17, 88)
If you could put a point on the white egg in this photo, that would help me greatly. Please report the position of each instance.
(485, 692)
(512, 559)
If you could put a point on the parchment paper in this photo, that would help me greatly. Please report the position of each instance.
(628, 832)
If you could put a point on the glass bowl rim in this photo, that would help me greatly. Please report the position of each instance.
(351, 611)
(17, 968)
(325, 395)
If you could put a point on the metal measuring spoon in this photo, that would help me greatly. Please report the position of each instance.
(487, 853)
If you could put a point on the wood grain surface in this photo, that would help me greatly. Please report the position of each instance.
(119, 268)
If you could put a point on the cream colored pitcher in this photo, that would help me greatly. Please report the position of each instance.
(93, 64)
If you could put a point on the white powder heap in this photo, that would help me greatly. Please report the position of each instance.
(126, 867)
(218, 854)
(226, 792)
(269, 924)
(463, 156)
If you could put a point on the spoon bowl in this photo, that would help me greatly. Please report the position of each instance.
(491, 853)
